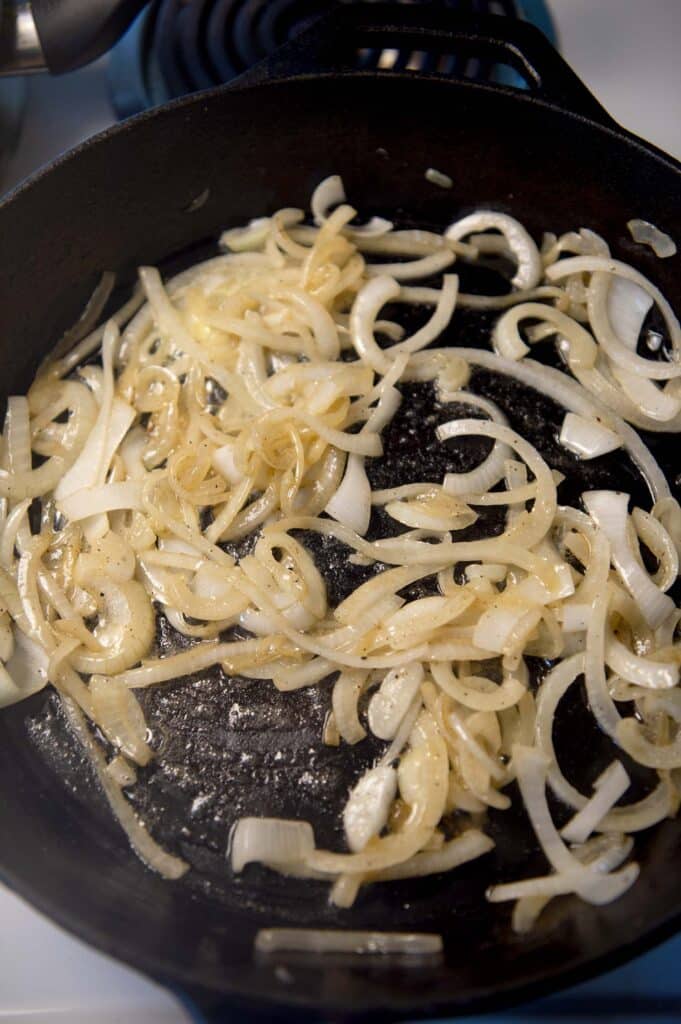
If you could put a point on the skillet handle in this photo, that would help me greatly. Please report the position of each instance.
(330, 45)
(75, 32)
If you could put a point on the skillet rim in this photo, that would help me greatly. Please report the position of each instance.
(185, 980)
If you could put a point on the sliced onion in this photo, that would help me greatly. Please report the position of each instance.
(655, 675)
(144, 846)
(422, 778)
(656, 404)
(92, 501)
(568, 393)
(18, 435)
(126, 630)
(120, 718)
(534, 528)
(594, 888)
(25, 672)
(121, 772)
(627, 307)
(476, 749)
(271, 841)
(608, 788)
(663, 756)
(416, 620)
(392, 700)
(351, 504)
(322, 941)
(346, 692)
(601, 854)
(298, 676)
(436, 177)
(645, 233)
(587, 439)
(614, 347)
(442, 314)
(654, 535)
(33, 483)
(592, 264)
(476, 692)
(411, 270)
(113, 422)
(529, 265)
(470, 845)
(366, 811)
(491, 469)
(608, 509)
(329, 193)
(431, 510)
(250, 237)
(367, 305)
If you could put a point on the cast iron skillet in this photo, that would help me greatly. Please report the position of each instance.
(554, 159)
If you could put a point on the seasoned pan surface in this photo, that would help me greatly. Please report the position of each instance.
(227, 746)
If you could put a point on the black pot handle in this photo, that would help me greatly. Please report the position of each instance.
(330, 46)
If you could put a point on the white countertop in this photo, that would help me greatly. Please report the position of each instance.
(629, 53)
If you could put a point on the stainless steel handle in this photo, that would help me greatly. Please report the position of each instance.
(21, 51)
(60, 35)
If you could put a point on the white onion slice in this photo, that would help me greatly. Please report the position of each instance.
(249, 237)
(367, 305)
(506, 629)
(492, 468)
(568, 393)
(614, 347)
(392, 700)
(476, 692)
(609, 510)
(330, 192)
(535, 525)
(346, 692)
(92, 501)
(655, 675)
(659, 540)
(466, 847)
(113, 421)
(645, 233)
(271, 841)
(574, 616)
(146, 848)
(587, 439)
(603, 854)
(224, 461)
(627, 307)
(530, 769)
(351, 504)
(18, 435)
(656, 404)
(431, 511)
(592, 264)
(25, 672)
(608, 788)
(436, 177)
(394, 750)
(529, 263)
(366, 811)
(120, 717)
(121, 771)
(425, 266)
(326, 941)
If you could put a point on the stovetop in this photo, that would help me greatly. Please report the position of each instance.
(627, 53)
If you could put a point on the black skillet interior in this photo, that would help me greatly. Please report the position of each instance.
(228, 747)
